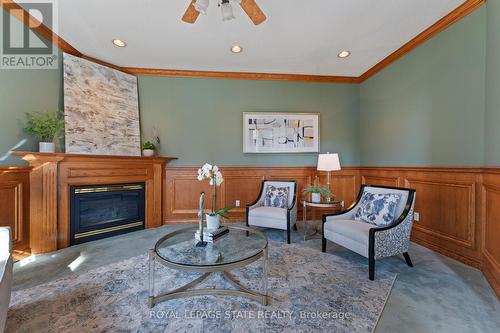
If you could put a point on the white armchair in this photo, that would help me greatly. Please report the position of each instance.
(369, 240)
(260, 215)
(5, 274)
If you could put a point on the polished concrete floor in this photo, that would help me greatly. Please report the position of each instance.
(437, 295)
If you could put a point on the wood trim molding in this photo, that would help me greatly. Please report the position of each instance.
(460, 12)
(491, 230)
(15, 207)
(240, 75)
(18, 12)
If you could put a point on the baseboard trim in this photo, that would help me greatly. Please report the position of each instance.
(458, 257)
(491, 272)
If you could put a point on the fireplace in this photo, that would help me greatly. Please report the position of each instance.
(101, 211)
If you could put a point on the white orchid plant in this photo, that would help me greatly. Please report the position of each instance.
(213, 174)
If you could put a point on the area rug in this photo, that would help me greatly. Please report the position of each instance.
(310, 291)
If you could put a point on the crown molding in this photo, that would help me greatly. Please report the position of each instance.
(239, 75)
(458, 13)
(18, 12)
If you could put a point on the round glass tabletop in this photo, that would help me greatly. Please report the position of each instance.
(179, 247)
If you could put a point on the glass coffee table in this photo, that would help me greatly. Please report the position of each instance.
(239, 248)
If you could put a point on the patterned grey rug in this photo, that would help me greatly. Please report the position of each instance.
(310, 292)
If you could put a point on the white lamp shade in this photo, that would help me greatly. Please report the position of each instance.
(328, 162)
(202, 6)
(227, 11)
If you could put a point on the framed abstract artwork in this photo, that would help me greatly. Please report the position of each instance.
(101, 109)
(280, 132)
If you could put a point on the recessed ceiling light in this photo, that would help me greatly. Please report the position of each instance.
(119, 43)
(236, 49)
(344, 54)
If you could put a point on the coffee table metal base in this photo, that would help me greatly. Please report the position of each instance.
(186, 291)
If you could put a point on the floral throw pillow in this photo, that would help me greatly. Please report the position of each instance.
(276, 196)
(378, 209)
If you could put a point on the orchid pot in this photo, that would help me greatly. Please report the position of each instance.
(213, 221)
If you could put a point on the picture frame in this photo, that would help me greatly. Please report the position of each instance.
(281, 132)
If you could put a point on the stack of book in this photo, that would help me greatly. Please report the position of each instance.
(211, 235)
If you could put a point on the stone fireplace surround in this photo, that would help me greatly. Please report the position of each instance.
(52, 175)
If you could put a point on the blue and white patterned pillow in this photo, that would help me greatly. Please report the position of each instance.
(378, 209)
(276, 196)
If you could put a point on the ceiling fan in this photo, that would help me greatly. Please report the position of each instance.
(200, 6)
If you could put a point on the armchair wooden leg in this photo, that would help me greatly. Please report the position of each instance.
(408, 260)
(295, 227)
(371, 268)
(323, 245)
(288, 235)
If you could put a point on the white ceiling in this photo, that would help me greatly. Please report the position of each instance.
(299, 36)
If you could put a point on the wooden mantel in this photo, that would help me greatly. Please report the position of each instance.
(53, 173)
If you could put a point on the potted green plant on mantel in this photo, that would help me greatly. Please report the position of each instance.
(148, 149)
(213, 174)
(46, 127)
(317, 191)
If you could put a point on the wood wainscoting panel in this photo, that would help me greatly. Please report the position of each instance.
(14, 204)
(449, 213)
(380, 180)
(243, 184)
(446, 210)
(245, 188)
(447, 202)
(182, 195)
(491, 235)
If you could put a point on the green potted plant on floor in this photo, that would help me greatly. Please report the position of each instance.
(46, 127)
(148, 149)
(317, 191)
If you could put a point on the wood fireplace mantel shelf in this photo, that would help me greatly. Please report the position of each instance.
(53, 173)
(35, 157)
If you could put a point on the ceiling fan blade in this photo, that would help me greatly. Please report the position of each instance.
(253, 11)
(191, 13)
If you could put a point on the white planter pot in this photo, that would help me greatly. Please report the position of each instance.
(316, 197)
(46, 147)
(213, 222)
(148, 152)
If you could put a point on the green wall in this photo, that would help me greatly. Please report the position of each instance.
(428, 107)
(24, 91)
(438, 105)
(492, 142)
(201, 120)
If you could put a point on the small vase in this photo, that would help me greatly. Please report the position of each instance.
(46, 147)
(316, 197)
(213, 221)
(148, 152)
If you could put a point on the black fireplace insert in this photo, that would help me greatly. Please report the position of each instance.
(100, 211)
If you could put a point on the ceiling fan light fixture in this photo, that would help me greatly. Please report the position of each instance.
(227, 10)
(201, 6)
(344, 54)
(119, 42)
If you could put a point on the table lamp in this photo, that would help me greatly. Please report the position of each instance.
(328, 162)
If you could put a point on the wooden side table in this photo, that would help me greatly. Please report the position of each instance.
(323, 204)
